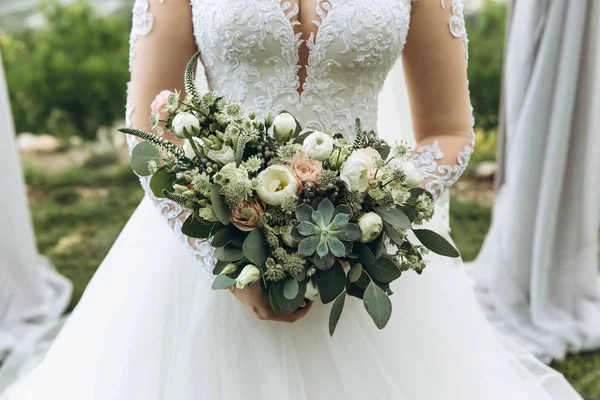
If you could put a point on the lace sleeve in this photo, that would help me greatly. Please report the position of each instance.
(435, 66)
(161, 44)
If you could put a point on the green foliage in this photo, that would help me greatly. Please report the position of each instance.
(69, 76)
(486, 52)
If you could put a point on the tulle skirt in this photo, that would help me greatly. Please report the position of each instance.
(149, 327)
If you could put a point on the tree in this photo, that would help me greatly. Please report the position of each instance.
(69, 76)
(486, 54)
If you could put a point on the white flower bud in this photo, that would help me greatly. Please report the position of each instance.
(229, 268)
(189, 150)
(284, 126)
(224, 156)
(318, 146)
(185, 122)
(370, 225)
(413, 175)
(312, 291)
(248, 276)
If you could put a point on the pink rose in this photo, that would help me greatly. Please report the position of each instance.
(243, 223)
(160, 103)
(305, 169)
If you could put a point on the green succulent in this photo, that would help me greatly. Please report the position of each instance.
(325, 232)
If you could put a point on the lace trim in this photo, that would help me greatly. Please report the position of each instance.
(457, 22)
(440, 177)
(172, 213)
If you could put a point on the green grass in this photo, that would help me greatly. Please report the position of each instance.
(79, 213)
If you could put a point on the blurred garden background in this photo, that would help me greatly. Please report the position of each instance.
(67, 67)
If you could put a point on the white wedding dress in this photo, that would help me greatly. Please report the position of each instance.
(149, 327)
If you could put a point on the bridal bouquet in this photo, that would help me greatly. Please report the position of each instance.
(307, 214)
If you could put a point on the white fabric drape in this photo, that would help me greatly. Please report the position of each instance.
(538, 269)
(32, 295)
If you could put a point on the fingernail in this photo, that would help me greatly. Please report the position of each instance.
(303, 303)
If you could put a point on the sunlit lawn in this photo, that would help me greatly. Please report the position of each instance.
(79, 212)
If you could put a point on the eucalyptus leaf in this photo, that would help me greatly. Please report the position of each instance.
(141, 155)
(304, 212)
(162, 180)
(392, 234)
(229, 253)
(219, 205)
(336, 312)
(436, 243)
(365, 254)
(288, 306)
(291, 289)
(308, 228)
(326, 209)
(308, 246)
(355, 291)
(255, 248)
(194, 228)
(331, 283)
(273, 300)
(336, 247)
(384, 270)
(394, 216)
(378, 305)
(223, 236)
(237, 237)
(223, 282)
(323, 263)
(355, 272)
(377, 246)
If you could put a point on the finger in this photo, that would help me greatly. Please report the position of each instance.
(299, 314)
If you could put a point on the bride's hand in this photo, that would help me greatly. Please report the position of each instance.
(256, 301)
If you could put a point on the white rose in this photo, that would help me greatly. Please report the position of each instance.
(184, 122)
(230, 172)
(312, 291)
(224, 156)
(188, 150)
(284, 127)
(370, 225)
(318, 146)
(248, 276)
(355, 172)
(413, 175)
(275, 184)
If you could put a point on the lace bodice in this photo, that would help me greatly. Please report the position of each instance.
(250, 53)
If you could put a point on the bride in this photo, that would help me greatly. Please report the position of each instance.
(149, 327)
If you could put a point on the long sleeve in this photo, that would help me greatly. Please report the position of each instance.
(162, 42)
(435, 67)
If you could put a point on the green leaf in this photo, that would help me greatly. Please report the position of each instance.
(336, 312)
(436, 243)
(288, 306)
(323, 263)
(255, 248)
(308, 228)
(394, 216)
(219, 205)
(355, 272)
(308, 246)
(219, 267)
(326, 209)
(350, 232)
(222, 282)
(355, 291)
(194, 228)
(291, 289)
(141, 155)
(349, 246)
(300, 138)
(365, 254)
(339, 221)
(378, 305)
(304, 212)
(223, 236)
(410, 212)
(336, 246)
(332, 282)
(160, 181)
(384, 270)
(377, 246)
(237, 237)
(322, 248)
(229, 253)
(415, 193)
(392, 234)
(273, 300)
(385, 151)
